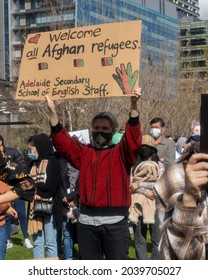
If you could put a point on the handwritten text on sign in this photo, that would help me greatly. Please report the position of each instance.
(88, 62)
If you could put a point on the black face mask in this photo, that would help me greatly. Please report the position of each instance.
(101, 138)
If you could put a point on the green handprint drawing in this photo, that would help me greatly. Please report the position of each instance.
(125, 79)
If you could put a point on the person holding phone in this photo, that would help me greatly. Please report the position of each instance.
(182, 202)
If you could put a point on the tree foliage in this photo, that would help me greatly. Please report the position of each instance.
(166, 94)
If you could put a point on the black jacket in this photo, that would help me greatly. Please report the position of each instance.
(15, 156)
(52, 185)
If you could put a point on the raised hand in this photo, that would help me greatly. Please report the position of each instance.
(50, 103)
(196, 176)
(52, 111)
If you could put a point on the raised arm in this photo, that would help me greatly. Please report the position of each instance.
(53, 117)
(137, 92)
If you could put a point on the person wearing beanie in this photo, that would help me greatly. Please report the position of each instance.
(105, 168)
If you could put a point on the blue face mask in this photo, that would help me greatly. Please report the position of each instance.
(31, 155)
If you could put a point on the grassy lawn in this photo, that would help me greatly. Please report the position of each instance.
(18, 252)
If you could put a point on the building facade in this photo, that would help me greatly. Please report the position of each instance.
(160, 26)
(4, 39)
(193, 46)
(20, 17)
(187, 7)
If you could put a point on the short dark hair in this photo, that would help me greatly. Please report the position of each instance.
(156, 120)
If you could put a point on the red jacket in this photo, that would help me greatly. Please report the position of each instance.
(104, 173)
(3, 206)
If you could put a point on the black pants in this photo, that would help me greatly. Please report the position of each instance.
(106, 241)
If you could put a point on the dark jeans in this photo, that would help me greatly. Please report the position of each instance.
(19, 206)
(106, 241)
(140, 234)
(8, 219)
(3, 241)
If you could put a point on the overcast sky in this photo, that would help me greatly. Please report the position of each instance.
(203, 5)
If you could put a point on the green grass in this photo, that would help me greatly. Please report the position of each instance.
(132, 255)
(18, 252)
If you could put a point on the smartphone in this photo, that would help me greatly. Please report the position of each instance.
(204, 123)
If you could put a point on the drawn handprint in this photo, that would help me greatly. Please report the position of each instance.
(125, 79)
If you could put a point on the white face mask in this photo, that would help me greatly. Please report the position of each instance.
(155, 132)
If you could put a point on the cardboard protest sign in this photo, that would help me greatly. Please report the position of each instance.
(87, 62)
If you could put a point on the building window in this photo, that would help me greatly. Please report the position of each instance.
(184, 43)
(198, 31)
(198, 42)
(183, 32)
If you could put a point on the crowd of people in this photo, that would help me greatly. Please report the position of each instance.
(97, 191)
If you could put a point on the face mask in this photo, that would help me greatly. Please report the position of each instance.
(155, 132)
(31, 155)
(101, 138)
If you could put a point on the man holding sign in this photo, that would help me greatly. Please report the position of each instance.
(104, 177)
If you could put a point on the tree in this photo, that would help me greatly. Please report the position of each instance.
(174, 98)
